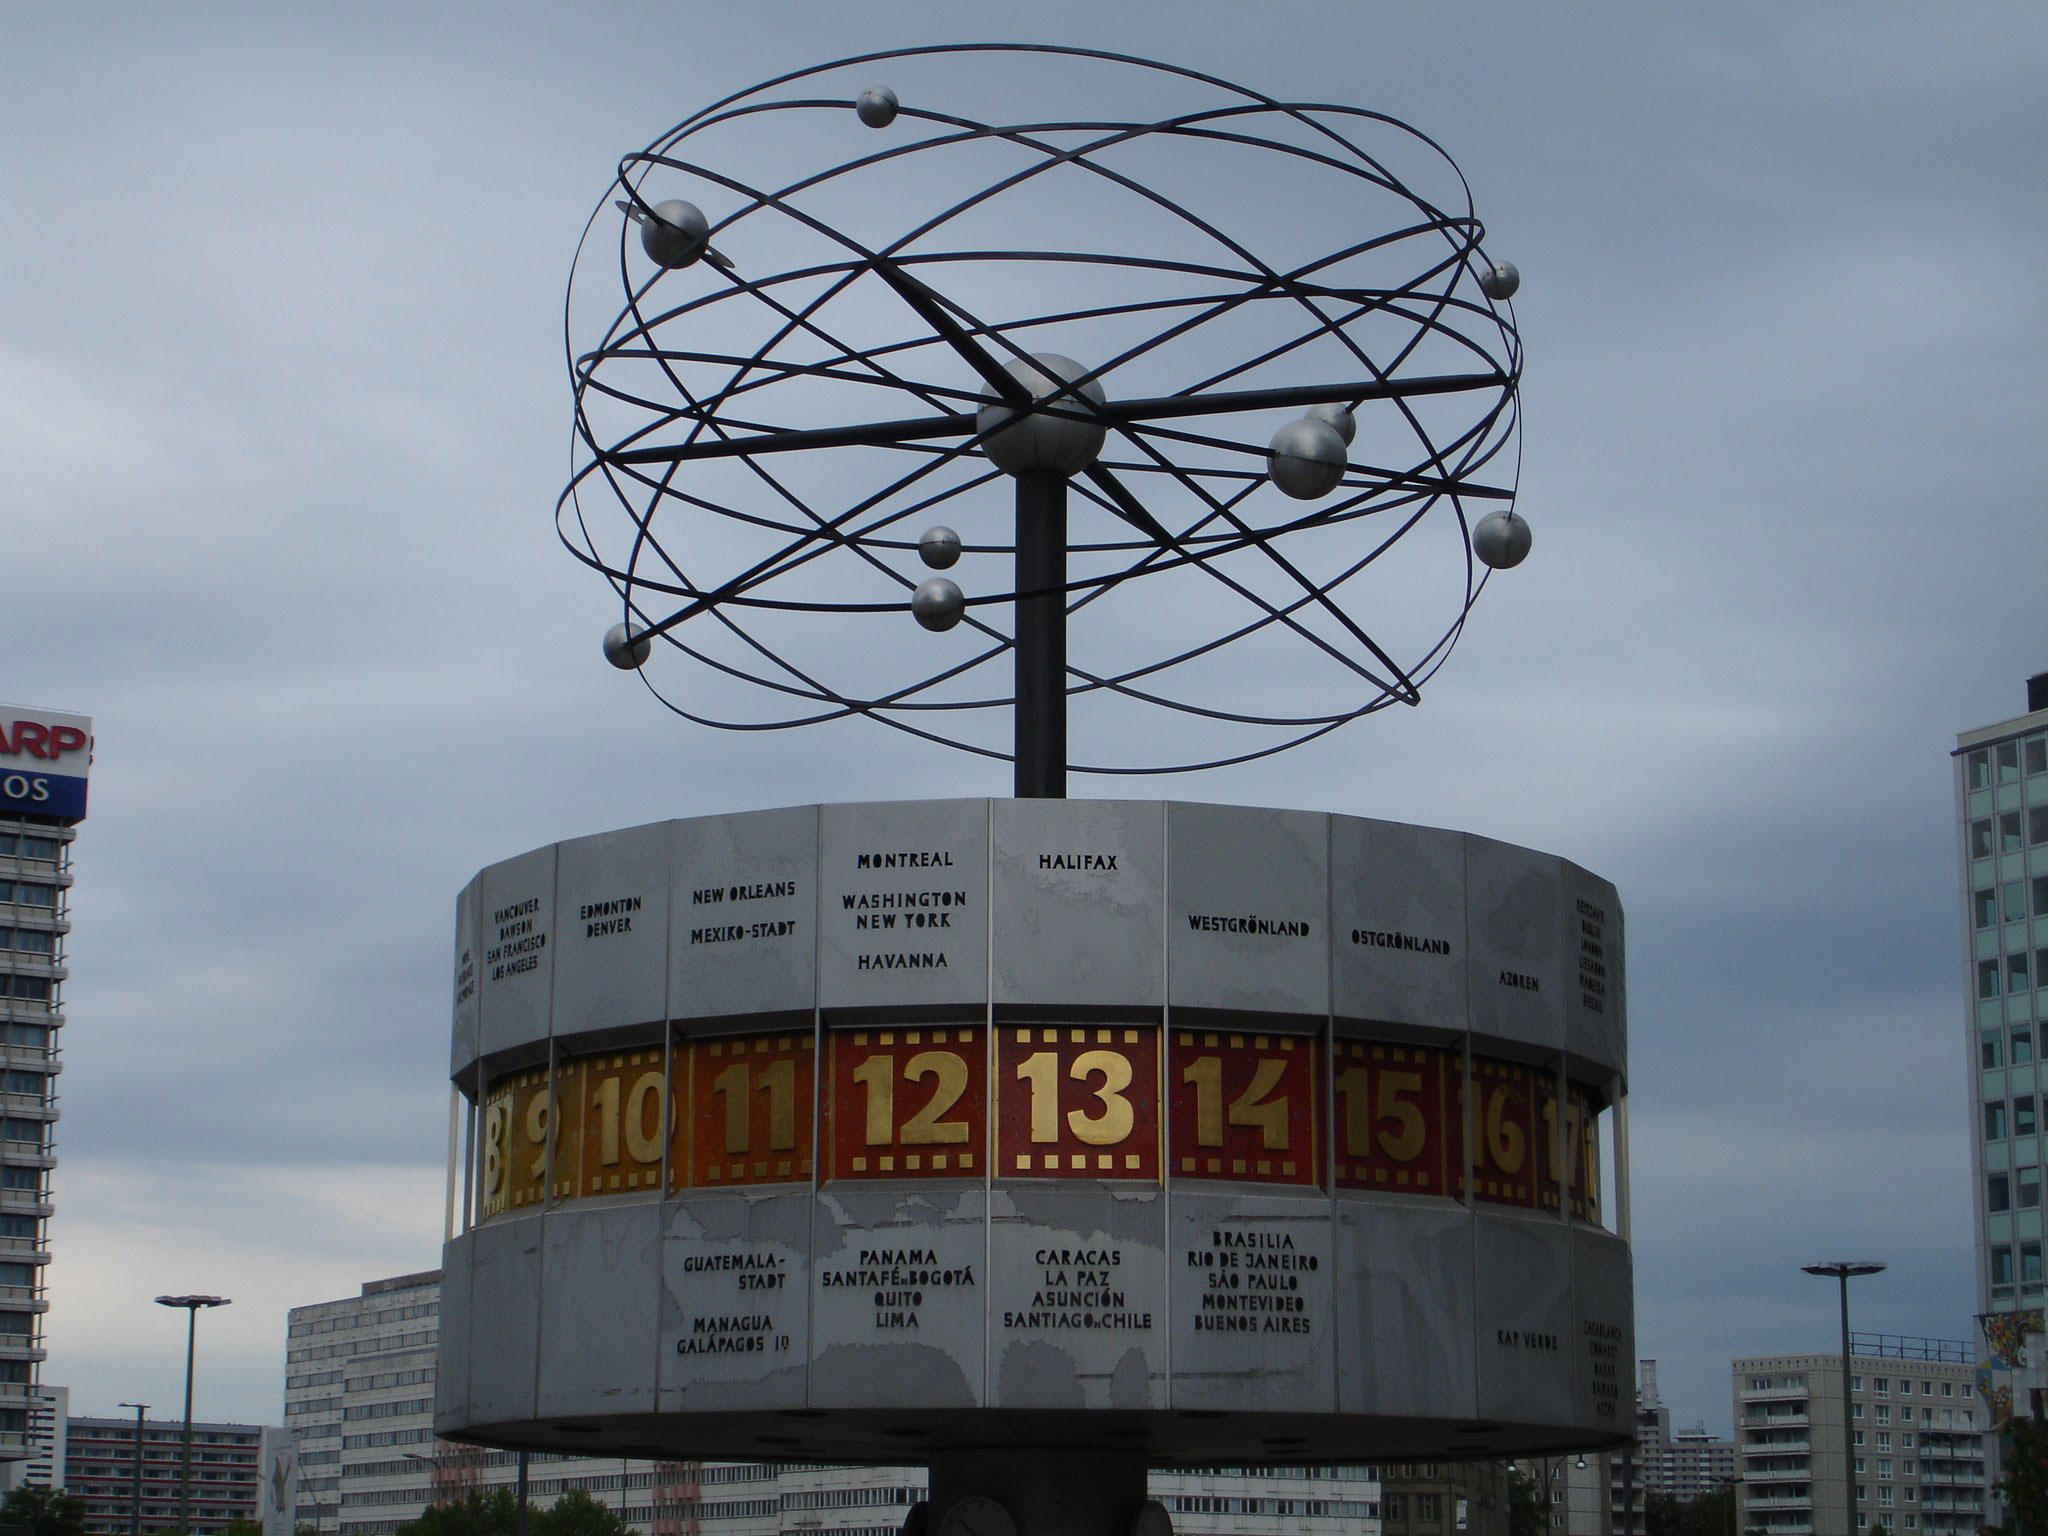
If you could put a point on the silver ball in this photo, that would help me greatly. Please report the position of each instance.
(1500, 280)
(939, 548)
(1062, 439)
(877, 106)
(1501, 540)
(937, 603)
(1306, 458)
(626, 649)
(1336, 416)
(676, 235)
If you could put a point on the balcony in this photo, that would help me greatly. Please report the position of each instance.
(1802, 1473)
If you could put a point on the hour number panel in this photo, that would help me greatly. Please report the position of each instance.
(1397, 1118)
(750, 1112)
(624, 1100)
(909, 1103)
(517, 1135)
(1242, 1106)
(1500, 1125)
(1077, 1102)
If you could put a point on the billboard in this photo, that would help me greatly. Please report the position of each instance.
(44, 760)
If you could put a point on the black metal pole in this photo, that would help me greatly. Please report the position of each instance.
(135, 1493)
(519, 1509)
(185, 1445)
(1848, 1456)
(1041, 743)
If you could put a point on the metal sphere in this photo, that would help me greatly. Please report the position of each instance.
(1500, 280)
(1337, 416)
(937, 603)
(1066, 442)
(877, 106)
(939, 548)
(1501, 540)
(626, 649)
(676, 235)
(1306, 458)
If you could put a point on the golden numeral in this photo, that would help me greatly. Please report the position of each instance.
(497, 1131)
(540, 1131)
(1252, 1108)
(926, 1128)
(1110, 1125)
(876, 1076)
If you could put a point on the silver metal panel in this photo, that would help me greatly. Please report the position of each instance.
(1077, 1297)
(1604, 1342)
(451, 1348)
(743, 905)
(1079, 892)
(1524, 1296)
(899, 1297)
(1397, 914)
(600, 1310)
(465, 1039)
(1595, 1020)
(1518, 979)
(903, 904)
(516, 919)
(1247, 909)
(504, 1319)
(1404, 1309)
(611, 930)
(735, 1307)
(1250, 1278)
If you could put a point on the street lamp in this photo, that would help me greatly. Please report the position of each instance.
(135, 1496)
(1842, 1269)
(192, 1305)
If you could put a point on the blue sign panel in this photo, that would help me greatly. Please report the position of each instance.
(28, 793)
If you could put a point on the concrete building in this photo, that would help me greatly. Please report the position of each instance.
(100, 1468)
(43, 758)
(1915, 1428)
(359, 1404)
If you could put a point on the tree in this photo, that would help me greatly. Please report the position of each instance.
(1525, 1504)
(2024, 1487)
(42, 1512)
(474, 1514)
(242, 1527)
(576, 1513)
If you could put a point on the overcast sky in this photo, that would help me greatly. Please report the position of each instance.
(283, 416)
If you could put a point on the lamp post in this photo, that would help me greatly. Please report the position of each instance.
(1842, 1269)
(192, 1306)
(135, 1494)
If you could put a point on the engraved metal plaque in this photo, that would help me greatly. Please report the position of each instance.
(1078, 896)
(903, 905)
(516, 919)
(743, 914)
(611, 932)
(1247, 909)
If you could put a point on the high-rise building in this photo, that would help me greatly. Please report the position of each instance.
(359, 1404)
(100, 1468)
(1915, 1428)
(43, 762)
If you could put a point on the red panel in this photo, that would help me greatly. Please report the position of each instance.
(623, 1098)
(1396, 1129)
(1243, 1107)
(751, 1101)
(1504, 1147)
(909, 1103)
(1077, 1102)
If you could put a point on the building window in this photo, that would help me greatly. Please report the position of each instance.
(1948, 1388)
(1994, 1122)
(1884, 1440)
(1856, 1412)
(2037, 753)
(2008, 761)
(2016, 972)
(1998, 1193)
(1979, 766)
(2001, 1264)
(2022, 1046)
(2030, 1263)
(1980, 838)
(1987, 1053)
(2014, 894)
(1984, 907)
(2023, 1115)
(1883, 1386)
(1987, 978)
(2010, 839)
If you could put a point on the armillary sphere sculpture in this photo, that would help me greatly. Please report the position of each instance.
(1248, 351)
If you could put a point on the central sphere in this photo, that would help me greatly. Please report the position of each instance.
(1062, 438)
